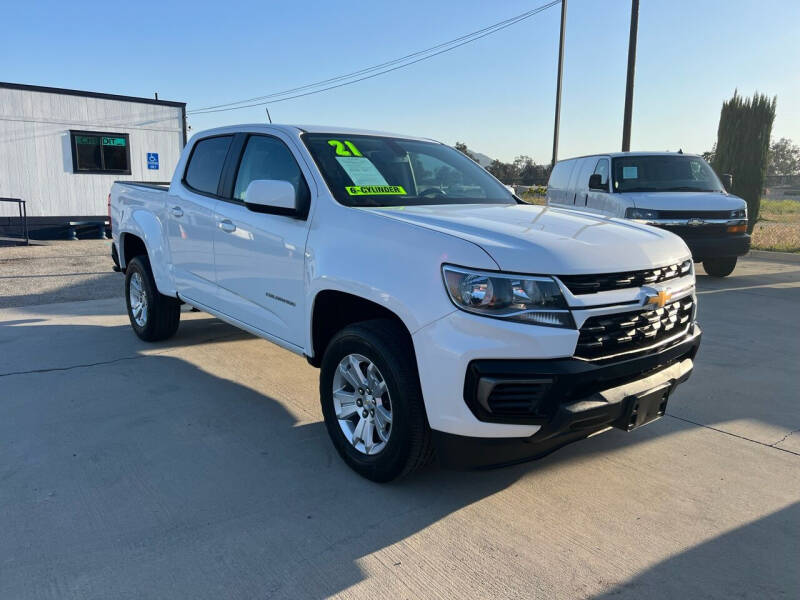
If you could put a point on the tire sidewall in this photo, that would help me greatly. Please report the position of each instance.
(391, 460)
(720, 267)
(141, 266)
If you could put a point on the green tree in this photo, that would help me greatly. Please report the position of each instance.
(505, 172)
(784, 158)
(709, 156)
(462, 147)
(745, 125)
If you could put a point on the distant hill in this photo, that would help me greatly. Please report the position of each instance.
(482, 159)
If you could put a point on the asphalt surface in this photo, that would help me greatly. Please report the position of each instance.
(199, 468)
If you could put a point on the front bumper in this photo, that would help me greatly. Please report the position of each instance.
(717, 246)
(583, 399)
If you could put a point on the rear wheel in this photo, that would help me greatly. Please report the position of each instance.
(153, 316)
(372, 402)
(720, 267)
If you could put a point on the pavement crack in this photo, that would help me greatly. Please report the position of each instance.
(741, 437)
(80, 366)
(784, 438)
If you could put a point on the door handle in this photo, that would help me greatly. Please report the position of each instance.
(177, 211)
(227, 226)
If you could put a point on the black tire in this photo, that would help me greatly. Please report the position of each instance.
(720, 267)
(163, 313)
(386, 344)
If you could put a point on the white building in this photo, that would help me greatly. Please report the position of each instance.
(60, 151)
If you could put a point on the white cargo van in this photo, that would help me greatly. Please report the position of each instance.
(675, 191)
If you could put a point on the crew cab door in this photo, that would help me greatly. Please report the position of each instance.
(190, 220)
(260, 257)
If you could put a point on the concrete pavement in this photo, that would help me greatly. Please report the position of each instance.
(199, 468)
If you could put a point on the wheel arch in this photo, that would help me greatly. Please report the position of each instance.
(333, 310)
(143, 234)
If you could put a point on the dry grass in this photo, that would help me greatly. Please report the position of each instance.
(534, 198)
(778, 227)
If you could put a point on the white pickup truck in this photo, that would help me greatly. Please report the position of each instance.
(444, 313)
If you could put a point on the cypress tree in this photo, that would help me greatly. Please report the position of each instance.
(745, 126)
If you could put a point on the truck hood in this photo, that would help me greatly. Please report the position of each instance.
(685, 201)
(546, 240)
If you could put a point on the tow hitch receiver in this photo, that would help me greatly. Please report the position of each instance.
(645, 408)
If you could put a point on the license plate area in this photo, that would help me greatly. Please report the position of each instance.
(646, 407)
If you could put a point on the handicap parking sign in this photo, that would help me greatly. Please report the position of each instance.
(152, 160)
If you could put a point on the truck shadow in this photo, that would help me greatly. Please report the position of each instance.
(757, 560)
(129, 477)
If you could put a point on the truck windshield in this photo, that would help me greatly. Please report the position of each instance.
(664, 173)
(366, 170)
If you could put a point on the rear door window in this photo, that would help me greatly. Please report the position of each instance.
(205, 164)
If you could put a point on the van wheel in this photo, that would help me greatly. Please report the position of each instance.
(154, 317)
(372, 401)
(720, 267)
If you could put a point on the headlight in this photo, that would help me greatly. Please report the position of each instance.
(534, 300)
(739, 214)
(640, 213)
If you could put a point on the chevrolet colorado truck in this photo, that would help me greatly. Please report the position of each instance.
(446, 315)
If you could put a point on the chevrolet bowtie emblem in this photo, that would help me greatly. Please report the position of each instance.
(659, 299)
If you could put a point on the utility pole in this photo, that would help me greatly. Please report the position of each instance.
(558, 81)
(626, 123)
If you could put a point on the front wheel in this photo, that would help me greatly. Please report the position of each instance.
(720, 267)
(154, 317)
(372, 402)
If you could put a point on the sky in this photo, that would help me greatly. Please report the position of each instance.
(497, 94)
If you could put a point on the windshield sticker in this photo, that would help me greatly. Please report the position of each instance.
(376, 190)
(361, 170)
(630, 172)
(344, 148)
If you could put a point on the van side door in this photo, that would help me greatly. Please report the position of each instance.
(558, 184)
(579, 182)
(260, 255)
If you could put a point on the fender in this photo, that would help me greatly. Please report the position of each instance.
(397, 274)
(145, 224)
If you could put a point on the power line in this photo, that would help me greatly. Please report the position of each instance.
(368, 69)
(446, 47)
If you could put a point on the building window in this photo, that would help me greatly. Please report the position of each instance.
(98, 152)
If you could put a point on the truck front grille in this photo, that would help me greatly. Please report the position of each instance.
(607, 335)
(590, 284)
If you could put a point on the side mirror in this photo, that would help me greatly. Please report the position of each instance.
(596, 182)
(727, 181)
(271, 196)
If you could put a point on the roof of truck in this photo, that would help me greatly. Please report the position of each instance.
(295, 129)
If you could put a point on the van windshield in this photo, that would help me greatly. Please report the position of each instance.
(664, 173)
(366, 170)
